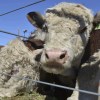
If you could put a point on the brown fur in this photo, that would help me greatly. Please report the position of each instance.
(92, 46)
(1, 47)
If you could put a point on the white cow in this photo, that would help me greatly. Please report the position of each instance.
(17, 60)
(65, 28)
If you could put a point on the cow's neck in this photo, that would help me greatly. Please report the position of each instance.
(92, 46)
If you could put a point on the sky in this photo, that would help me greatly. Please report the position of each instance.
(17, 20)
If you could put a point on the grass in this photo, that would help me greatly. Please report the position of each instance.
(33, 96)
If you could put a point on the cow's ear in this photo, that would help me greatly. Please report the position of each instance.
(36, 19)
(96, 20)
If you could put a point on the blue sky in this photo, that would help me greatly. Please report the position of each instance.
(17, 20)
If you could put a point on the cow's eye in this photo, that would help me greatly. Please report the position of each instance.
(83, 30)
(36, 43)
(45, 28)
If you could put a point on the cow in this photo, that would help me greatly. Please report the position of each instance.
(89, 75)
(65, 31)
(17, 60)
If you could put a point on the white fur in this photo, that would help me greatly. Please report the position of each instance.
(17, 58)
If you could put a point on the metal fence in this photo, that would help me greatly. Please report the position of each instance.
(21, 8)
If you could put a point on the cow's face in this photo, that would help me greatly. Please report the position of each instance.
(66, 38)
(63, 51)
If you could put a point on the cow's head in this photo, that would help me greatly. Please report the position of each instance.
(65, 30)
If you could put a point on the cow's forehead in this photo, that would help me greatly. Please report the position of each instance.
(69, 15)
(68, 26)
(65, 21)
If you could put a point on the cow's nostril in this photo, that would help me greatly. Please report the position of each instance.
(55, 55)
(37, 58)
(62, 55)
(46, 55)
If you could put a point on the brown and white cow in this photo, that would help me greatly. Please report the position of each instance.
(65, 28)
(89, 75)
